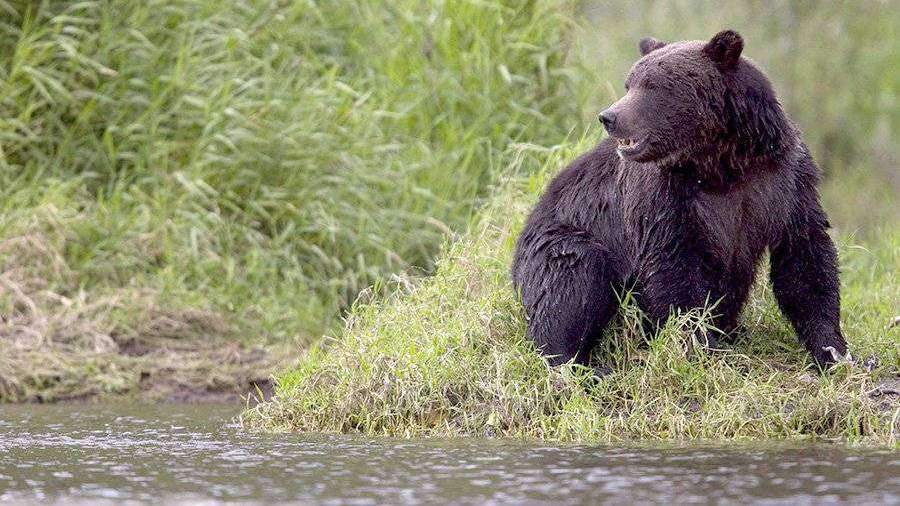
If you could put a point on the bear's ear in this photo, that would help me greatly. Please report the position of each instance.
(648, 44)
(724, 49)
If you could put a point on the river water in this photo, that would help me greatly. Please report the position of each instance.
(90, 453)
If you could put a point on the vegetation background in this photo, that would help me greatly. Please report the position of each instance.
(194, 193)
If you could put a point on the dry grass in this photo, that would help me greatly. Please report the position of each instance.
(57, 341)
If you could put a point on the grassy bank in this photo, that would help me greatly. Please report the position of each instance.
(189, 188)
(193, 193)
(448, 357)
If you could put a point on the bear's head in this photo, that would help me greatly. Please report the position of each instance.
(688, 99)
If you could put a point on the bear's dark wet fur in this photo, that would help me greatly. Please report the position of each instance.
(702, 173)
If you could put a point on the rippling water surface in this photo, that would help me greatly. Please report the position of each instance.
(88, 453)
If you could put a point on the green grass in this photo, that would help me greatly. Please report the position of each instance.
(448, 357)
(193, 192)
(179, 178)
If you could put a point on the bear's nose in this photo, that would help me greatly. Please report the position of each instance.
(608, 118)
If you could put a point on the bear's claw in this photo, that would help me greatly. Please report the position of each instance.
(836, 355)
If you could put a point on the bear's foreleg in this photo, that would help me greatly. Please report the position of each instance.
(804, 274)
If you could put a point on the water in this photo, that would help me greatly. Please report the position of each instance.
(89, 453)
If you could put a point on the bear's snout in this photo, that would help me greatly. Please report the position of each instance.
(608, 118)
(619, 119)
(620, 124)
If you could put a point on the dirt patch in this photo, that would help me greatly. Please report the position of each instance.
(195, 370)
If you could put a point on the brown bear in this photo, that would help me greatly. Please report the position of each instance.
(701, 173)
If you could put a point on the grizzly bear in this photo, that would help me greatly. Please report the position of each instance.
(701, 173)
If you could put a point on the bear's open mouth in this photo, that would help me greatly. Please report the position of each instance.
(628, 147)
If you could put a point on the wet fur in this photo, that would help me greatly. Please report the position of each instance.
(732, 179)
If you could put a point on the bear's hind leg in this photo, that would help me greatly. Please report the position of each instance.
(566, 282)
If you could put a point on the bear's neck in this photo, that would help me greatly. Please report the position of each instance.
(720, 168)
